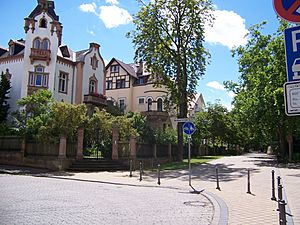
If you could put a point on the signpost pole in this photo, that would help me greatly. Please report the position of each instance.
(189, 161)
(189, 128)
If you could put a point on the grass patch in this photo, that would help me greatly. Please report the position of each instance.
(184, 164)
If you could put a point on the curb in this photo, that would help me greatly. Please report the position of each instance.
(220, 216)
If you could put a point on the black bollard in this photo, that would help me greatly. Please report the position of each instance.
(273, 186)
(130, 167)
(158, 174)
(217, 175)
(278, 181)
(282, 213)
(248, 191)
(279, 195)
(141, 172)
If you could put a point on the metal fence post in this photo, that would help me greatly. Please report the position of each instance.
(273, 186)
(282, 213)
(158, 174)
(217, 175)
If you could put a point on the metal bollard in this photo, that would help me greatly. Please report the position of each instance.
(217, 175)
(279, 195)
(141, 172)
(273, 186)
(248, 191)
(278, 181)
(282, 213)
(158, 174)
(130, 167)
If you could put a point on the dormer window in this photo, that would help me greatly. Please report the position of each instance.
(114, 69)
(11, 49)
(43, 23)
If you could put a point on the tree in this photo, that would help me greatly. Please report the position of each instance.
(169, 37)
(34, 112)
(64, 120)
(260, 101)
(4, 91)
(213, 124)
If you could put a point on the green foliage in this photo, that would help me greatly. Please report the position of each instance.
(124, 125)
(215, 124)
(144, 132)
(6, 129)
(114, 109)
(35, 112)
(4, 91)
(64, 120)
(259, 110)
(44, 119)
(169, 135)
(98, 132)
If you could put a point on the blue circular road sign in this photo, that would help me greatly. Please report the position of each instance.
(189, 128)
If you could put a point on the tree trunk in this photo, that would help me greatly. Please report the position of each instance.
(180, 142)
(282, 142)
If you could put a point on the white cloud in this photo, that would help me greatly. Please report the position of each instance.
(229, 29)
(113, 16)
(113, 2)
(231, 94)
(215, 85)
(89, 7)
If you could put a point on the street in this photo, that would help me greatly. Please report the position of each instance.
(42, 200)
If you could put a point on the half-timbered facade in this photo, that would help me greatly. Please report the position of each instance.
(130, 86)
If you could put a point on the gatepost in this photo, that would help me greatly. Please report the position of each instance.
(79, 154)
(115, 141)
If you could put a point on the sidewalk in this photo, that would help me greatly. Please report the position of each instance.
(232, 201)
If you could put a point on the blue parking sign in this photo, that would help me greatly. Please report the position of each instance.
(292, 52)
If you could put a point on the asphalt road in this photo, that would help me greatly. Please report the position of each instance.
(42, 200)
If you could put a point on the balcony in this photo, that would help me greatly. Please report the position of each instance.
(157, 119)
(40, 54)
(95, 99)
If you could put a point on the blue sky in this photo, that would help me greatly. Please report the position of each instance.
(107, 21)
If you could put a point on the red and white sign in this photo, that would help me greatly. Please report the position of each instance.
(288, 10)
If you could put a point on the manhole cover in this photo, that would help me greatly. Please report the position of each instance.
(195, 203)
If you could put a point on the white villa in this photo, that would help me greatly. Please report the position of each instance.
(42, 62)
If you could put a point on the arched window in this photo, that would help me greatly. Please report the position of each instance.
(37, 43)
(43, 23)
(45, 44)
(159, 105)
(92, 87)
(149, 103)
(93, 83)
